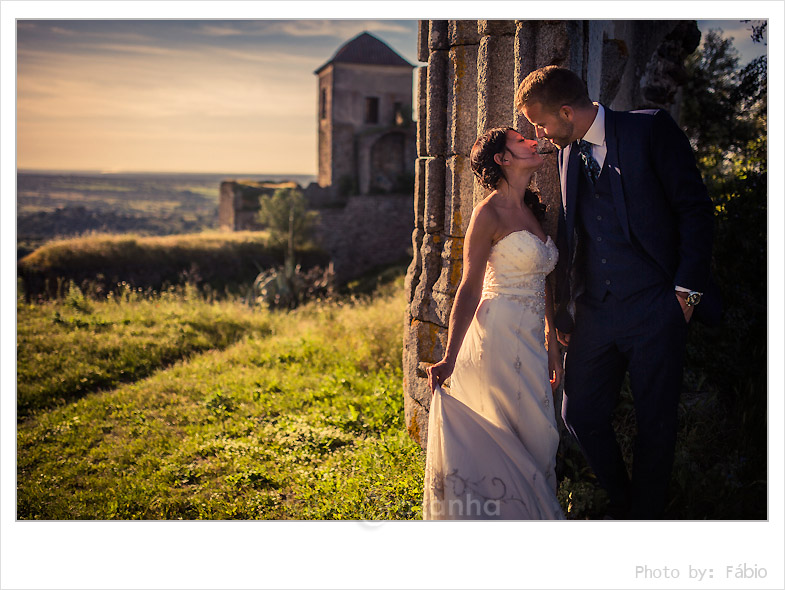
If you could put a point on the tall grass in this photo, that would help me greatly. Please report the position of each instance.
(169, 406)
(299, 418)
(99, 262)
(70, 348)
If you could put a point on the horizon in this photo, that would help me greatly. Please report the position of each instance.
(96, 172)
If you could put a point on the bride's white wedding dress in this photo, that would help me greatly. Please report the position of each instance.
(492, 439)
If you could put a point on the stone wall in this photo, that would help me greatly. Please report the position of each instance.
(369, 231)
(468, 86)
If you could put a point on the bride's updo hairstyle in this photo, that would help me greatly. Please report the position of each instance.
(489, 173)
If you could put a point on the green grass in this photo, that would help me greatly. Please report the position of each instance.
(295, 416)
(76, 346)
(169, 406)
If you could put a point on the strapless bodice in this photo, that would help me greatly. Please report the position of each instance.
(517, 266)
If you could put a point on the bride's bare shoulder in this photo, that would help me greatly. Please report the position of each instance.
(486, 212)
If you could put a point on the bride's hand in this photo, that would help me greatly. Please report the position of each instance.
(555, 368)
(439, 372)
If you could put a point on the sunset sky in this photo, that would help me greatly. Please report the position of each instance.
(216, 96)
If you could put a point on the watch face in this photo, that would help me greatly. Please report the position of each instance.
(693, 298)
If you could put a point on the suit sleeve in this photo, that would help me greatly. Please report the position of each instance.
(674, 163)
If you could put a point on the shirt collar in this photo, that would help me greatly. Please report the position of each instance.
(596, 133)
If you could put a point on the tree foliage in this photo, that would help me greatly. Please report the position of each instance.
(724, 114)
(724, 110)
(286, 216)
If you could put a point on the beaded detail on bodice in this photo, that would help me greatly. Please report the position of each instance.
(517, 268)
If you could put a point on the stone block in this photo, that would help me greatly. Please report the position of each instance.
(462, 98)
(459, 202)
(423, 28)
(419, 192)
(614, 60)
(495, 82)
(423, 306)
(462, 32)
(436, 106)
(414, 272)
(437, 35)
(423, 345)
(496, 27)
(450, 277)
(433, 213)
(421, 92)
(525, 47)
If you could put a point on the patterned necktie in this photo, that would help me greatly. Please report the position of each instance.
(589, 163)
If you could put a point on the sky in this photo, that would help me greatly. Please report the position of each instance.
(190, 96)
(215, 96)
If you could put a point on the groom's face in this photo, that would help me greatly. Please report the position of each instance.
(552, 124)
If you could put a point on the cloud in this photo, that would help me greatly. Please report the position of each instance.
(300, 28)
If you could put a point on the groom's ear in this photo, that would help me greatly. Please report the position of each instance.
(566, 112)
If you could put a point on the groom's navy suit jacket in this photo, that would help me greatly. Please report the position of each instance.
(661, 202)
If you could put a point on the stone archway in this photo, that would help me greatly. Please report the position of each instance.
(388, 163)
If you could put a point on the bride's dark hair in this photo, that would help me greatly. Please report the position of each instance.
(489, 173)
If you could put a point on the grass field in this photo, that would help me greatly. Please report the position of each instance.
(171, 407)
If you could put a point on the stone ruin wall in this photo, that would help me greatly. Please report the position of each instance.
(468, 86)
(359, 233)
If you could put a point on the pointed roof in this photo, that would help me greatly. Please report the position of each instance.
(366, 49)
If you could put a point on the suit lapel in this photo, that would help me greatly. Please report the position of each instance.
(612, 168)
(571, 192)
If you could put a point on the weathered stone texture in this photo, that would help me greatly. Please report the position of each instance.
(462, 98)
(419, 192)
(614, 60)
(462, 32)
(422, 110)
(437, 35)
(422, 305)
(434, 194)
(459, 199)
(423, 30)
(496, 27)
(436, 117)
(495, 82)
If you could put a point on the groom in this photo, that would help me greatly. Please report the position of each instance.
(635, 238)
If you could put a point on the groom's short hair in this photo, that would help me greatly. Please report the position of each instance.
(552, 87)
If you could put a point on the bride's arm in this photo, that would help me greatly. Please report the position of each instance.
(476, 249)
(555, 368)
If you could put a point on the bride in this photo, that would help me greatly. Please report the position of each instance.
(492, 438)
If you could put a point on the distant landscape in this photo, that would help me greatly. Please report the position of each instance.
(56, 204)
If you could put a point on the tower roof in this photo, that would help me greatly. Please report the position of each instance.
(366, 49)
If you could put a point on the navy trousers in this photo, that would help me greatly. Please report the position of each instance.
(645, 335)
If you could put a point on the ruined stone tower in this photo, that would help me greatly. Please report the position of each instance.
(468, 86)
(366, 135)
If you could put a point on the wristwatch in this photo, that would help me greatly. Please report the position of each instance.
(691, 298)
(694, 298)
